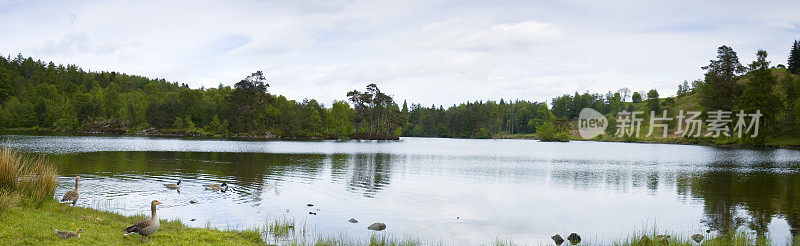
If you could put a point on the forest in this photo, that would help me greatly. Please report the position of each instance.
(36, 95)
(44, 96)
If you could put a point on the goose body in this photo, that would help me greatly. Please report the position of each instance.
(224, 186)
(69, 234)
(174, 186)
(145, 227)
(71, 196)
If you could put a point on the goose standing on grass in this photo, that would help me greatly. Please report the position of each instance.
(174, 186)
(215, 187)
(145, 227)
(69, 234)
(70, 196)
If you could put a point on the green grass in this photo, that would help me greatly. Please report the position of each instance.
(652, 238)
(24, 225)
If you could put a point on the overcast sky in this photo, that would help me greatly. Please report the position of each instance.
(429, 51)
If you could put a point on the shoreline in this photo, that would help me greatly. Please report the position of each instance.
(520, 136)
(34, 225)
(677, 141)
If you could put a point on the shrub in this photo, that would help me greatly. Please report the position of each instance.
(548, 133)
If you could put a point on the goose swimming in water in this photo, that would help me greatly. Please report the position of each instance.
(173, 186)
(215, 187)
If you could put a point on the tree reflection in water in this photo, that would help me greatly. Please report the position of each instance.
(732, 195)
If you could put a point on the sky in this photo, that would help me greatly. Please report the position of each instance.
(427, 52)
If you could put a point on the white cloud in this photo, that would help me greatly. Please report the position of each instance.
(431, 52)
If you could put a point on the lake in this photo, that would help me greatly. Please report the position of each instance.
(456, 191)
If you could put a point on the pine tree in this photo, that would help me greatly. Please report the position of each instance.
(757, 95)
(653, 102)
(720, 88)
(794, 58)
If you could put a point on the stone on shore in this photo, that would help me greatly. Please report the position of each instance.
(697, 238)
(574, 238)
(558, 239)
(377, 226)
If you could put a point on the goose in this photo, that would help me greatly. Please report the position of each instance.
(145, 227)
(70, 196)
(174, 186)
(69, 234)
(224, 186)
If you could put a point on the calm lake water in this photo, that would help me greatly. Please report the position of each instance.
(457, 191)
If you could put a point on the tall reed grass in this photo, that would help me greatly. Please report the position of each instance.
(32, 178)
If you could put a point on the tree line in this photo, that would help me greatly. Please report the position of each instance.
(34, 94)
(39, 95)
(727, 85)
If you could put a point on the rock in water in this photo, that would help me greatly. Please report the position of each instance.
(377, 226)
(558, 239)
(697, 238)
(353, 220)
(574, 238)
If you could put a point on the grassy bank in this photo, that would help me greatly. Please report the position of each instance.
(29, 214)
(35, 225)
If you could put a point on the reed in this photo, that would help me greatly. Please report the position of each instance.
(31, 177)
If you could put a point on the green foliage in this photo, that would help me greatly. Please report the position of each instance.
(66, 98)
(548, 132)
(569, 107)
(794, 58)
(684, 89)
(637, 97)
(178, 123)
(719, 88)
(340, 120)
(757, 95)
(377, 115)
(653, 102)
(476, 119)
(791, 101)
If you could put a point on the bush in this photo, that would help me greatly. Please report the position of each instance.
(548, 133)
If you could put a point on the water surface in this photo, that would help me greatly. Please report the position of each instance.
(457, 191)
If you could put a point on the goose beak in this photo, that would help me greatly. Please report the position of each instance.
(159, 203)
